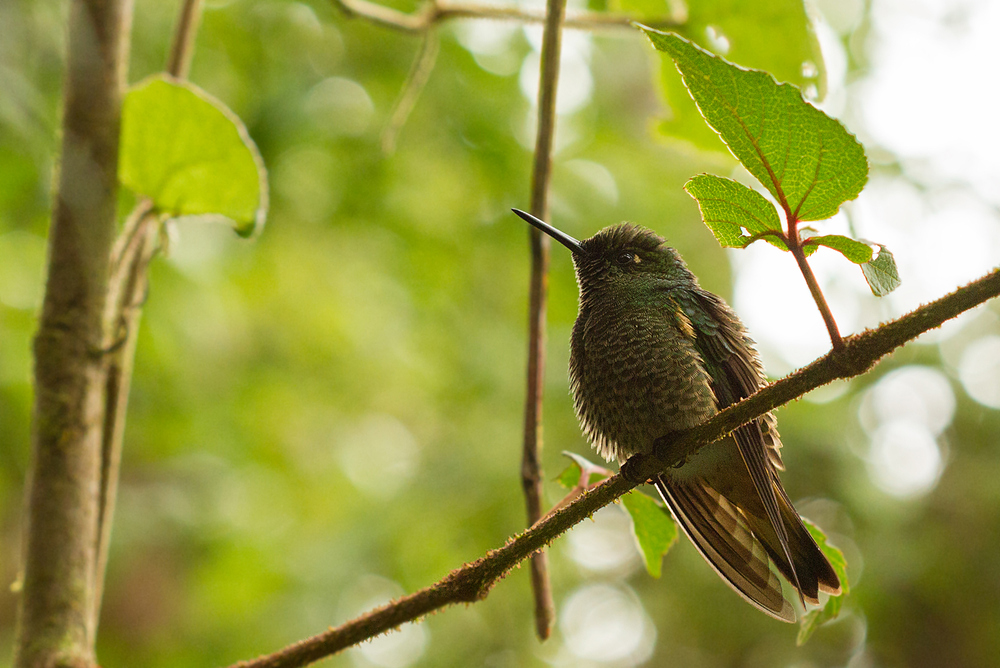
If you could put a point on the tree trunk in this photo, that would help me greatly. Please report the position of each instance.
(55, 619)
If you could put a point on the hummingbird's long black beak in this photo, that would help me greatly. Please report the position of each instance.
(566, 240)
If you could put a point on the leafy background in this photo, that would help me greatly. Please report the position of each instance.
(329, 416)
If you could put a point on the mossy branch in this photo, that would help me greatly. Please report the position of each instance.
(474, 581)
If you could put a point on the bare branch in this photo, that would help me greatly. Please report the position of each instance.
(532, 478)
(474, 581)
(433, 12)
(415, 82)
(182, 48)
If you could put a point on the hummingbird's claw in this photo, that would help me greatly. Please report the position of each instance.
(662, 447)
(631, 468)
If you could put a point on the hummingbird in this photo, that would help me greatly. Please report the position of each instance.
(652, 352)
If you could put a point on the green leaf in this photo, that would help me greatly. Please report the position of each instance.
(776, 36)
(580, 471)
(570, 476)
(808, 161)
(683, 120)
(191, 155)
(881, 273)
(856, 251)
(729, 207)
(654, 529)
(816, 618)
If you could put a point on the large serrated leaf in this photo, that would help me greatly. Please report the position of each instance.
(654, 529)
(683, 120)
(808, 161)
(729, 207)
(776, 36)
(191, 155)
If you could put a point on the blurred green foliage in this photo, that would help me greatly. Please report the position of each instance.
(330, 416)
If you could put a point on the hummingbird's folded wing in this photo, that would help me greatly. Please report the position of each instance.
(735, 371)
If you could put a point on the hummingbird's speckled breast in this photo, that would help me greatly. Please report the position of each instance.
(635, 373)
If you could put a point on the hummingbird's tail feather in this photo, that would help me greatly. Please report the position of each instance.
(721, 533)
(739, 543)
(815, 574)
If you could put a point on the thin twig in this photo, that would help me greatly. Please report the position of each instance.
(794, 242)
(126, 291)
(423, 65)
(532, 478)
(817, 294)
(778, 236)
(182, 48)
(130, 229)
(434, 12)
(130, 258)
(474, 581)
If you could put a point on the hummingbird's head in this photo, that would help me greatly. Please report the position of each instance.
(621, 256)
(628, 255)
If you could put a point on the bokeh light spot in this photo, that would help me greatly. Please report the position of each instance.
(903, 414)
(606, 543)
(491, 45)
(379, 456)
(979, 371)
(904, 459)
(606, 624)
(913, 393)
(339, 106)
(576, 84)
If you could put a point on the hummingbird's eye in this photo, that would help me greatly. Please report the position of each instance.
(625, 258)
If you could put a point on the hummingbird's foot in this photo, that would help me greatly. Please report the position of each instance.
(632, 467)
(662, 448)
